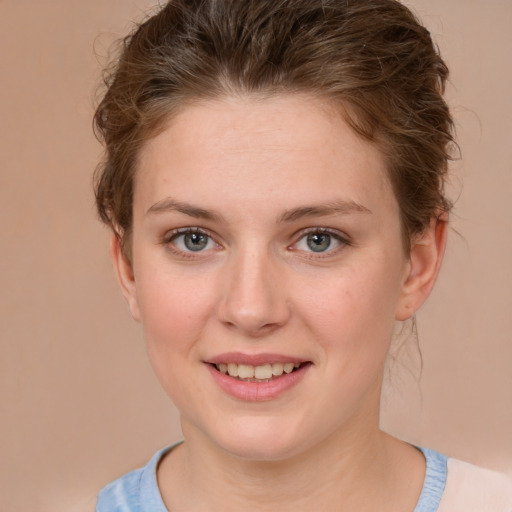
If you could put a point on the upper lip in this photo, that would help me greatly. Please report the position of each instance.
(253, 359)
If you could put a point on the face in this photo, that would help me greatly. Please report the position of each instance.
(268, 271)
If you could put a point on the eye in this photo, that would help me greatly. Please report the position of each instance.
(191, 241)
(320, 241)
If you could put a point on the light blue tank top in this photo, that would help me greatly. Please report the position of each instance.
(138, 491)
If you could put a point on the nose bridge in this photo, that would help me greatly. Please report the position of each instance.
(254, 299)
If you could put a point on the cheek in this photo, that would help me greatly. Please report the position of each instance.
(174, 313)
(174, 310)
(352, 317)
(352, 320)
(356, 301)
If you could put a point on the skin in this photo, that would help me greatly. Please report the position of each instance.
(243, 171)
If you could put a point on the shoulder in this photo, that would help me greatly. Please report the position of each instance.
(121, 495)
(455, 486)
(136, 491)
(470, 488)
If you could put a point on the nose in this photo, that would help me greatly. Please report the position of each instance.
(253, 296)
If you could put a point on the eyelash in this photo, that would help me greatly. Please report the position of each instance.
(343, 240)
(171, 237)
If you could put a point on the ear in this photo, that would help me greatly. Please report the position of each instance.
(125, 276)
(426, 255)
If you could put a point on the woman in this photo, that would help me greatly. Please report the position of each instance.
(274, 184)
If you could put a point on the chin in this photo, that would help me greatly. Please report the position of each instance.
(261, 450)
(260, 439)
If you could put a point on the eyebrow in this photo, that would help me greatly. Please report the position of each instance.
(330, 208)
(171, 205)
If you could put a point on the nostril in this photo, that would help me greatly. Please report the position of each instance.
(251, 327)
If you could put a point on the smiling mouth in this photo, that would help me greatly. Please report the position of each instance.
(261, 373)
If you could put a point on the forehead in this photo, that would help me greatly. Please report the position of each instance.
(288, 148)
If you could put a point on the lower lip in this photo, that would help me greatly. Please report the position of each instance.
(257, 391)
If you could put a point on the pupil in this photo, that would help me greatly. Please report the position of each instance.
(319, 242)
(195, 241)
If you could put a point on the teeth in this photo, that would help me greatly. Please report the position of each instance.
(261, 372)
(288, 367)
(277, 369)
(245, 371)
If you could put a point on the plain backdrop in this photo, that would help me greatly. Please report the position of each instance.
(79, 404)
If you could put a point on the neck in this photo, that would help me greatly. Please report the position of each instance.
(353, 469)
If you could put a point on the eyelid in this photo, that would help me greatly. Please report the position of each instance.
(171, 235)
(341, 237)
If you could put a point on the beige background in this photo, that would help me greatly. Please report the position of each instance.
(78, 402)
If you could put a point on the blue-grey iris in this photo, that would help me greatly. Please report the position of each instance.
(195, 241)
(319, 242)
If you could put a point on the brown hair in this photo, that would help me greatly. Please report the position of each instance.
(372, 57)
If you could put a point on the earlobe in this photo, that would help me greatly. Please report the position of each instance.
(425, 259)
(125, 276)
